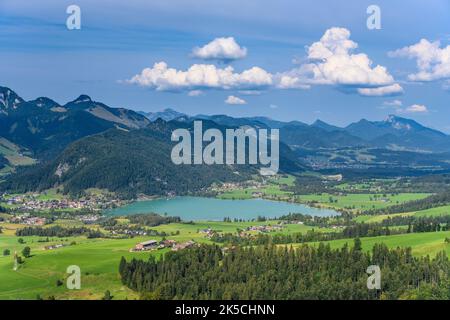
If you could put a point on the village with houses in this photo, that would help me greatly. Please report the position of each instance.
(158, 245)
(208, 233)
(36, 202)
(28, 219)
(253, 185)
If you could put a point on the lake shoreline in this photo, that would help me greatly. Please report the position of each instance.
(190, 208)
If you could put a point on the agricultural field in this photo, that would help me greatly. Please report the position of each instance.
(422, 244)
(44, 273)
(98, 259)
(287, 180)
(369, 196)
(433, 212)
(273, 189)
(50, 194)
(365, 201)
(190, 231)
(370, 186)
(15, 156)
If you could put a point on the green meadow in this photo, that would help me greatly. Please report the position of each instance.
(422, 244)
(44, 273)
(14, 156)
(271, 190)
(98, 260)
(433, 212)
(363, 201)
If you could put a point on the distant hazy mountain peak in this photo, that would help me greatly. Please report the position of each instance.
(45, 127)
(325, 126)
(44, 102)
(319, 122)
(167, 114)
(390, 118)
(395, 119)
(6, 90)
(401, 126)
(274, 124)
(400, 123)
(82, 98)
(9, 99)
(170, 110)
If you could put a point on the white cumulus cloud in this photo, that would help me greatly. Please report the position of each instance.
(415, 108)
(330, 61)
(250, 92)
(392, 90)
(235, 100)
(433, 62)
(201, 76)
(393, 103)
(224, 49)
(195, 93)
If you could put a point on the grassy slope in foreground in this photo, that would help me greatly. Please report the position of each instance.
(13, 153)
(365, 201)
(98, 259)
(433, 212)
(429, 243)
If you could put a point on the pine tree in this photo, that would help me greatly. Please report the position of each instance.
(107, 295)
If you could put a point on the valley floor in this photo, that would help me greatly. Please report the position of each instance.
(99, 259)
(44, 275)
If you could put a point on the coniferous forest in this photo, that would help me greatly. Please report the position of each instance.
(271, 272)
(260, 153)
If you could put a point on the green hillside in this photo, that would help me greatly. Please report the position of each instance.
(45, 127)
(98, 259)
(11, 155)
(433, 212)
(126, 162)
(132, 162)
(422, 244)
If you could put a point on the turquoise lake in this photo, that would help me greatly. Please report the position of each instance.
(198, 208)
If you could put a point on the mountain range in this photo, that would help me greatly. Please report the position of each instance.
(133, 162)
(84, 144)
(167, 114)
(46, 127)
(394, 133)
(128, 162)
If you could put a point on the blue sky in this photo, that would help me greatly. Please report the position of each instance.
(119, 39)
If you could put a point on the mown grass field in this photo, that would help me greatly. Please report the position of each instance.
(14, 155)
(272, 189)
(422, 244)
(190, 231)
(433, 212)
(247, 193)
(98, 259)
(373, 185)
(364, 201)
